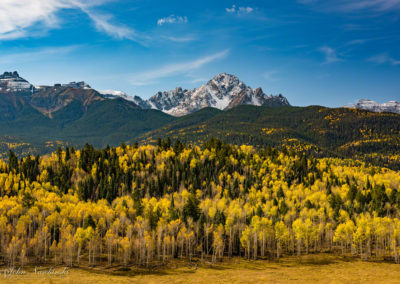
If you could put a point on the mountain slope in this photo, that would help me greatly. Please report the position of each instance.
(34, 117)
(113, 121)
(343, 132)
(52, 99)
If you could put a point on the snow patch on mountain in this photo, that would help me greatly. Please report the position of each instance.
(224, 91)
(113, 94)
(12, 82)
(391, 106)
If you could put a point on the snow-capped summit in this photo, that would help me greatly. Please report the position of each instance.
(12, 82)
(391, 106)
(224, 91)
(113, 94)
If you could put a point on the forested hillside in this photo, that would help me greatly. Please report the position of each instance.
(145, 205)
(344, 133)
(340, 132)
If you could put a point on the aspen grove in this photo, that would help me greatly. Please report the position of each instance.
(145, 205)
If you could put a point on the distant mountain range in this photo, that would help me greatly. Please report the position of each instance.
(224, 91)
(75, 113)
(38, 119)
(370, 105)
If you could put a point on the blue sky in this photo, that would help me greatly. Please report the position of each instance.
(312, 51)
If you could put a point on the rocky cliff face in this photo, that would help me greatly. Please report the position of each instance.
(224, 91)
(11, 82)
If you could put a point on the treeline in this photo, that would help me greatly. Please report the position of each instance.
(144, 205)
(341, 132)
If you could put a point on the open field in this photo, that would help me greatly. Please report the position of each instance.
(307, 269)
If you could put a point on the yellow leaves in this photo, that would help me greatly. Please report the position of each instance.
(161, 167)
(364, 228)
(281, 231)
(233, 160)
(184, 156)
(185, 195)
(245, 239)
(194, 163)
(80, 236)
(303, 230)
(22, 224)
(218, 235)
(94, 171)
(344, 232)
(211, 212)
(199, 194)
(246, 149)
(221, 204)
(165, 155)
(125, 244)
(148, 240)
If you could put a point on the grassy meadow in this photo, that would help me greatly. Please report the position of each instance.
(320, 268)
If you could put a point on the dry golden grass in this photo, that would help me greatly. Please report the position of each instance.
(307, 269)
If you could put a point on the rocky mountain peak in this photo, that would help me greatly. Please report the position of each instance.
(225, 80)
(9, 75)
(223, 91)
(11, 82)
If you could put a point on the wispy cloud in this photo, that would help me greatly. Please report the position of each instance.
(330, 54)
(198, 80)
(103, 24)
(239, 10)
(179, 39)
(19, 18)
(371, 5)
(172, 19)
(37, 55)
(149, 77)
(271, 76)
(357, 41)
(349, 6)
(231, 10)
(384, 59)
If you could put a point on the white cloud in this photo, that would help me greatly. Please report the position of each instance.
(348, 6)
(330, 54)
(19, 17)
(373, 5)
(231, 10)
(37, 55)
(198, 80)
(179, 39)
(271, 76)
(384, 59)
(146, 78)
(239, 10)
(12, 35)
(172, 19)
(245, 10)
(103, 24)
